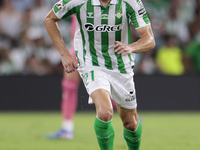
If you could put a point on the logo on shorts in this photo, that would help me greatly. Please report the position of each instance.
(131, 97)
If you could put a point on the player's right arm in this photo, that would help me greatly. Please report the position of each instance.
(69, 61)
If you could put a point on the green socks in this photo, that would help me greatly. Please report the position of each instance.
(105, 134)
(133, 138)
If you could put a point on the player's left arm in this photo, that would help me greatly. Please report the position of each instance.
(145, 43)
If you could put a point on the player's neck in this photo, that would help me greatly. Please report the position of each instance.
(104, 3)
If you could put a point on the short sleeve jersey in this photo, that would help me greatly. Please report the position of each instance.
(99, 27)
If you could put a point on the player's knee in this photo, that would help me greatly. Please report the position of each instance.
(132, 126)
(105, 115)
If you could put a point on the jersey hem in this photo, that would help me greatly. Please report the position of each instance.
(128, 70)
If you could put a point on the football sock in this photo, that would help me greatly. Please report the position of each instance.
(68, 125)
(133, 138)
(105, 134)
(69, 98)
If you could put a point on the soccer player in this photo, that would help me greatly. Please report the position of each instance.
(70, 84)
(105, 55)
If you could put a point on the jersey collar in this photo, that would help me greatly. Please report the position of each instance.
(97, 2)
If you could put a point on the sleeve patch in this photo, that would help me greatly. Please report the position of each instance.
(141, 4)
(59, 4)
(142, 10)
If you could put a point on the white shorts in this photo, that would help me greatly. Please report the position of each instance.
(120, 85)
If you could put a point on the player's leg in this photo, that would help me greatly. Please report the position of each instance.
(124, 94)
(70, 84)
(132, 127)
(103, 126)
(69, 102)
(98, 87)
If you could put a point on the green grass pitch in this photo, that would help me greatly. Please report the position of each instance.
(161, 131)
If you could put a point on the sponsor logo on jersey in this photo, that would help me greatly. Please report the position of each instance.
(118, 14)
(131, 97)
(104, 16)
(59, 5)
(90, 15)
(103, 28)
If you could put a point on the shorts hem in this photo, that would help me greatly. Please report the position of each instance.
(98, 89)
(90, 101)
(130, 107)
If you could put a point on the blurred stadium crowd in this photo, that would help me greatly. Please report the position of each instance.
(26, 49)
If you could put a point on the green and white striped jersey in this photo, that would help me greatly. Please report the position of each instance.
(99, 27)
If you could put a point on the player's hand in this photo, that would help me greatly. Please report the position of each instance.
(69, 63)
(122, 48)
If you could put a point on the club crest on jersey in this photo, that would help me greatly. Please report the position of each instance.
(59, 5)
(118, 14)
